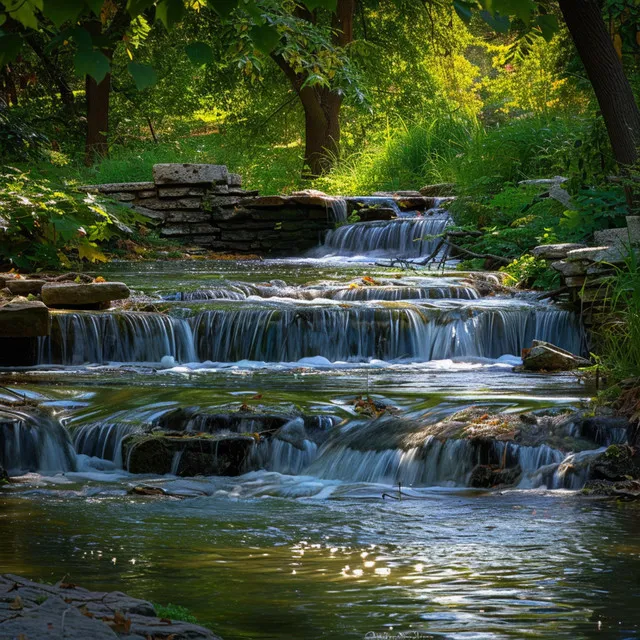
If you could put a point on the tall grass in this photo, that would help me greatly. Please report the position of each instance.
(620, 336)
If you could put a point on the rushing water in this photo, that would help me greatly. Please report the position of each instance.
(312, 540)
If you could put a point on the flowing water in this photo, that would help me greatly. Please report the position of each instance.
(311, 540)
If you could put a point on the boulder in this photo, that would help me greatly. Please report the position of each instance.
(83, 296)
(544, 356)
(186, 455)
(555, 251)
(190, 174)
(24, 320)
(439, 190)
(619, 238)
(24, 287)
(613, 255)
(570, 269)
(618, 462)
(484, 476)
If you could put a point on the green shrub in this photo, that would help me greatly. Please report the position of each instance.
(47, 226)
(174, 612)
(532, 272)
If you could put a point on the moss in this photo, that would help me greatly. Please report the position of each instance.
(613, 452)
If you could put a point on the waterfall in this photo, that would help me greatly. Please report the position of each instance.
(103, 439)
(391, 293)
(34, 443)
(359, 334)
(399, 238)
(78, 338)
(218, 293)
(339, 212)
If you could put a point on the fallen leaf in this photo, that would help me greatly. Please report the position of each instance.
(16, 604)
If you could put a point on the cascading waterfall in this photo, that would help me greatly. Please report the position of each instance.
(391, 293)
(360, 334)
(103, 439)
(79, 338)
(338, 210)
(275, 335)
(34, 443)
(399, 238)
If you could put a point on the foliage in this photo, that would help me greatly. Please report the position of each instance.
(18, 140)
(530, 272)
(45, 226)
(595, 209)
(620, 337)
(174, 612)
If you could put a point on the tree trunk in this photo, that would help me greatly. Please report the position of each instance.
(322, 129)
(604, 68)
(321, 105)
(97, 94)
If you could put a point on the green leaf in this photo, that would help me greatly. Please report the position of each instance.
(82, 38)
(523, 9)
(170, 12)
(265, 38)
(548, 25)
(199, 53)
(144, 75)
(312, 5)
(463, 9)
(136, 7)
(224, 8)
(95, 6)
(24, 11)
(10, 46)
(61, 11)
(497, 22)
(91, 63)
(3, 18)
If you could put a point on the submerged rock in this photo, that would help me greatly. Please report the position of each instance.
(486, 476)
(544, 356)
(32, 610)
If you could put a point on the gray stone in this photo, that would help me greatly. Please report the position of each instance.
(190, 174)
(555, 251)
(24, 320)
(544, 356)
(150, 213)
(73, 296)
(561, 195)
(222, 201)
(234, 180)
(575, 281)
(23, 287)
(613, 255)
(147, 193)
(117, 186)
(166, 204)
(188, 216)
(123, 196)
(570, 269)
(619, 238)
(174, 192)
(633, 224)
(189, 229)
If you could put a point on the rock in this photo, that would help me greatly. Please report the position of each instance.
(180, 192)
(24, 287)
(619, 238)
(234, 180)
(561, 195)
(186, 229)
(555, 251)
(314, 193)
(190, 174)
(36, 611)
(613, 255)
(622, 489)
(571, 269)
(123, 196)
(165, 204)
(633, 224)
(605, 430)
(24, 320)
(439, 190)
(544, 356)
(485, 476)
(82, 296)
(376, 213)
(397, 194)
(192, 455)
(575, 281)
(618, 462)
(117, 187)
(150, 213)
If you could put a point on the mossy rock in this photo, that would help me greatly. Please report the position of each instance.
(201, 455)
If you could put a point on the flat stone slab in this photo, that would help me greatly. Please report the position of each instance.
(24, 320)
(571, 269)
(190, 173)
(438, 190)
(620, 238)
(114, 187)
(80, 295)
(24, 286)
(613, 255)
(36, 611)
(555, 251)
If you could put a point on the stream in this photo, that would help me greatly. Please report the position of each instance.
(311, 540)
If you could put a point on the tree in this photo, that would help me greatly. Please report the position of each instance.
(595, 48)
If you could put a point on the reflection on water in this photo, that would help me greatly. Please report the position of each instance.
(461, 566)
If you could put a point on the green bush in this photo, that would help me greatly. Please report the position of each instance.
(47, 226)
(174, 612)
